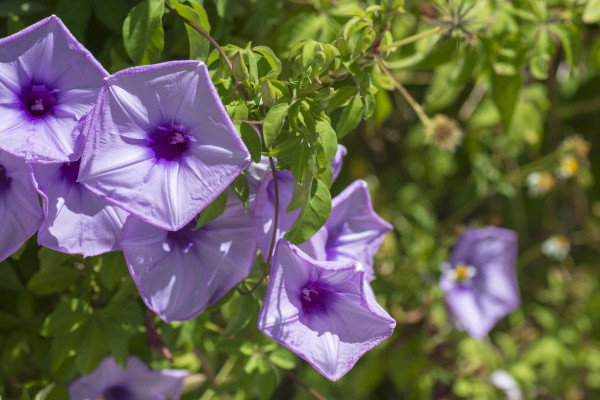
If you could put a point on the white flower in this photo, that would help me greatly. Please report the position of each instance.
(556, 247)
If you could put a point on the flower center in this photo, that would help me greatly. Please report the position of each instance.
(38, 100)
(169, 143)
(116, 392)
(70, 170)
(463, 273)
(4, 180)
(316, 297)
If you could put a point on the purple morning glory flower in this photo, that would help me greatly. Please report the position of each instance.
(76, 220)
(180, 273)
(20, 212)
(48, 82)
(480, 280)
(135, 382)
(160, 143)
(353, 231)
(265, 202)
(324, 311)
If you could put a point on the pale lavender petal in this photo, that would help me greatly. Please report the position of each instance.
(20, 213)
(353, 231)
(479, 301)
(336, 164)
(180, 273)
(151, 152)
(323, 311)
(76, 220)
(49, 82)
(135, 382)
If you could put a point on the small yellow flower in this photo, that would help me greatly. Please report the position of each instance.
(569, 166)
(443, 133)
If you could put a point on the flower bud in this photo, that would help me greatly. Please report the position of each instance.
(240, 71)
(443, 132)
(268, 93)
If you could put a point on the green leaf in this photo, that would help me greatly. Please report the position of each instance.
(67, 317)
(301, 193)
(75, 15)
(350, 117)
(94, 348)
(143, 33)
(274, 122)
(283, 358)
(20, 7)
(313, 215)
(65, 346)
(341, 97)
(300, 164)
(505, 94)
(199, 45)
(213, 210)
(53, 279)
(111, 13)
(241, 189)
(247, 308)
(53, 392)
(252, 141)
(328, 139)
(8, 277)
(8, 321)
(591, 13)
(271, 59)
(113, 269)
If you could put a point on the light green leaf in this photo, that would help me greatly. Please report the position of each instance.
(252, 141)
(313, 215)
(247, 308)
(591, 13)
(241, 189)
(505, 94)
(350, 117)
(143, 33)
(274, 122)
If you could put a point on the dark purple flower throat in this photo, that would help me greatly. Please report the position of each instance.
(169, 142)
(38, 100)
(316, 297)
(70, 170)
(4, 180)
(117, 392)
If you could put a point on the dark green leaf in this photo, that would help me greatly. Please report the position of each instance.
(8, 277)
(350, 117)
(53, 279)
(94, 348)
(8, 321)
(67, 317)
(241, 189)
(111, 13)
(252, 141)
(143, 33)
(213, 210)
(247, 308)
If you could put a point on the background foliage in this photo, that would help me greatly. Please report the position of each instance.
(519, 77)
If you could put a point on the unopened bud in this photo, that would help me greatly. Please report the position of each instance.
(268, 93)
(240, 71)
(443, 133)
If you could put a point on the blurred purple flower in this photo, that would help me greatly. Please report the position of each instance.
(135, 382)
(180, 273)
(20, 212)
(353, 231)
(265, 201)
(480, 280)
(76, 220)
(160, 143)
(323, 311)
(48, 82)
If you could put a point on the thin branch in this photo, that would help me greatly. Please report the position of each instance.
(411, 39)
(413, 103)
(203, 33)
(155, 341)
(248, 122)
(205, 366)
(306, 386)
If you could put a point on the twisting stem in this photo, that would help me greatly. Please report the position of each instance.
(205, 366)
(411, 39)
(275, 224)
(203, 33)
(309, 389)
(413, 103)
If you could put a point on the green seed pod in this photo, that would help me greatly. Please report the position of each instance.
(240, 71)
(267, 91)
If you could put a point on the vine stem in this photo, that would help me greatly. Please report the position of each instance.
(267, 269)
(411, 39)
(271, 162)
(155, 341)
(413, 103)
(203, 33)
(306, 386)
